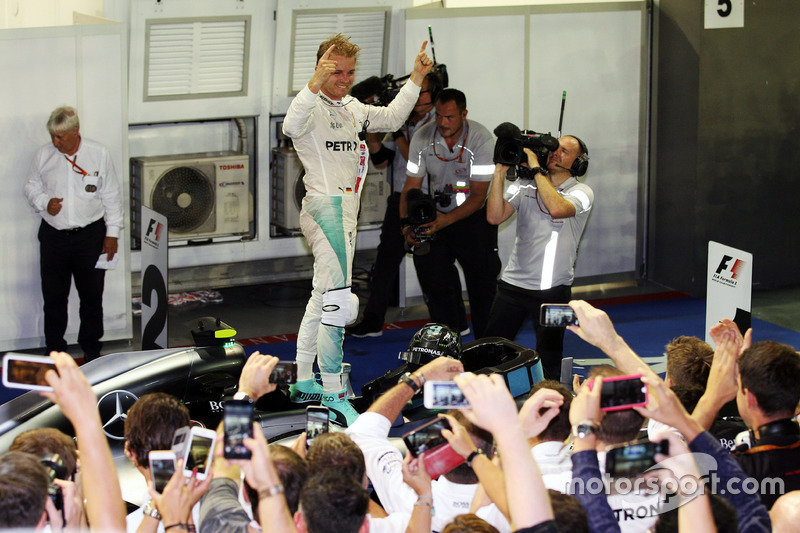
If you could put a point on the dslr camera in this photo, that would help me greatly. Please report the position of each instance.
(511, 141)
(421, 210)
(54, 466)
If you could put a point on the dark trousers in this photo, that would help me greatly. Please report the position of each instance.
(513, 305)
(391, 251)
(65, 256)
(473, 243)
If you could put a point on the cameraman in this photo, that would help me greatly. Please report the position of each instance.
(454, 157)
(553, 209)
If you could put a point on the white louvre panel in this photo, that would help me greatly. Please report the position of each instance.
(194, 58)
(367, 29)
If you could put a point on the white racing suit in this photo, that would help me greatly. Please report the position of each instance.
(325, 136)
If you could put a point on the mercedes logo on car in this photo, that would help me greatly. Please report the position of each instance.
(113, 407)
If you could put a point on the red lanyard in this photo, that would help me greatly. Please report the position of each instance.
(75, 167)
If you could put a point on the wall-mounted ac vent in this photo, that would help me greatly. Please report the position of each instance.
(196, 58)
(366, 28)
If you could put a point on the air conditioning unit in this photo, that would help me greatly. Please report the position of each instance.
(204, 196)
(288, 192)
(374, 197)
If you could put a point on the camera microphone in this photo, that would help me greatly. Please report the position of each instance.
(507, 130)
(364, 90)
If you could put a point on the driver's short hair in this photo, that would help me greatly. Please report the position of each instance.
(342, 47)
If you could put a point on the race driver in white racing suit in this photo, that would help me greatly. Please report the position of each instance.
(328, 129)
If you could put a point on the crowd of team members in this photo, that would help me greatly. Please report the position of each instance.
(536, 468)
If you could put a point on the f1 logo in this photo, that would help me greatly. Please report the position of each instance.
(735, 269)
(157, 229)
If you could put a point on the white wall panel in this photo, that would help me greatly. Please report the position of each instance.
(83, 66)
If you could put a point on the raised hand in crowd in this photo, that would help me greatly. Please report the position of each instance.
(72, 515)
(534, 422)
(494, 409)
(180, 495)
(677, 469)
(254, 380)
(665, 407)
(585, 408)
(260, 474)
(726, 325)
(72, 392)
(596, 328)
(722, 383)
(416, 476)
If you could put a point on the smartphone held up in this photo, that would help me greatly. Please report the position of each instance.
(427, 439)
(238, 425)
(195, 446)
(317, 422)
(557, 316)
(23, 371)
(444, 395)
(162, 466)
(622, 392)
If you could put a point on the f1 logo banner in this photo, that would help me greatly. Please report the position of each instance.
(728, 286)
(154, 280)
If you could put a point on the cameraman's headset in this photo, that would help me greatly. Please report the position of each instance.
(581, 163)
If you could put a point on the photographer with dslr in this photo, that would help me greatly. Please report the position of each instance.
(454, 157)
(553, 210)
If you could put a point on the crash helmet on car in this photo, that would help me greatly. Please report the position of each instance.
(430, 342)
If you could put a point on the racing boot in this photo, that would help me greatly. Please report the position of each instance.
(305, 391)
(342, 411)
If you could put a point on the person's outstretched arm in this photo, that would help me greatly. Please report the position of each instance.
(105, 509)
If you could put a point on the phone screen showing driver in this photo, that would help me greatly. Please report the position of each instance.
(426, 437)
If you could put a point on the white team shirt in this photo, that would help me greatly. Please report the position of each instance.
(86, 198)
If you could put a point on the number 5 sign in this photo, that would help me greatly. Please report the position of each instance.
(724, 14)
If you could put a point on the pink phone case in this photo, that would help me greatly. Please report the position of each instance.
(441, 460)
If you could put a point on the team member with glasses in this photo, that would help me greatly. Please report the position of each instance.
(72, 184)
(453, 156)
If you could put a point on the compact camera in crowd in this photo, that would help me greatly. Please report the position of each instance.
(511, 141)
(421, 210)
